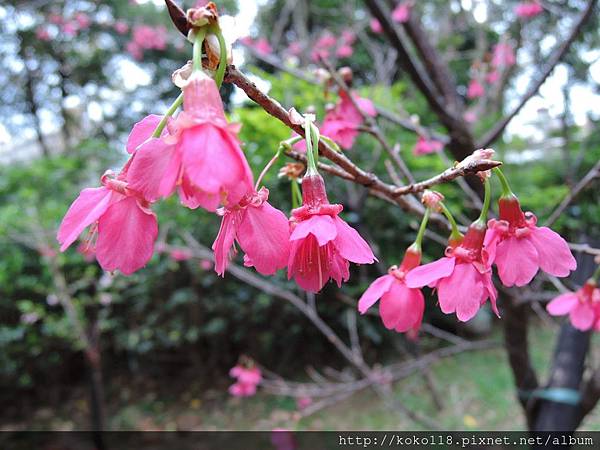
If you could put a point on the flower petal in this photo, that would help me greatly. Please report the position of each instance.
(351, 245)
(142, 131)
(126, 235)
(563, 304)
(264, 235)
(374, 292)
(461, 292)
(517, 261)
(85, 210)
(224, 241)
(322, 227)
(428, 273)
(401, 307)
(155, 169)
(582, 316)
(555, 257)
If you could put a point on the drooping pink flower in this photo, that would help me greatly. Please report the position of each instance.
(426, 145)
(401, 308)
(342, 123)
(263, 47)
(463, 278)
(319, 54)
(121, 219)
(475, 89)
(528, 9)
(583, 306)
(248, 378)
(492, 77)
(199, 153)
(503, 55)
(401, 13)
(345, 51)
(121, 27)
(261, 231)
(322, 244)
(519, 248)
(375, 26)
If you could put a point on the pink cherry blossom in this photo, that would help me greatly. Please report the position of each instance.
(343, 122)
(401, 13)
(263, 47)
(150, 38)
(248, 378)
(470, 116)
(475, 89)
(261, 231)
(426, 145)
(345, 51)
(121, 27)
(199, 153)
(503, 55)
(401, 308)
(528, 9)
(519, 248)
(322, 244)
(463, 278)
(583, 306)
(121, 220)
(376, 26)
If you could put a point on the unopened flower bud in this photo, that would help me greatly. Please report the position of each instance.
(432, 200)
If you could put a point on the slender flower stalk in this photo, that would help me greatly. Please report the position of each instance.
(455, 234)
(197, 50)
(506, 191)
(419, 240)
(163, 122)
(220, 73)
(486, 203)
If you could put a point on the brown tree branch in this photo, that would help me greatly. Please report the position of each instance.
(556, 56)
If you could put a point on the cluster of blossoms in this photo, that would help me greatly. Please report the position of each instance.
(198, 155)
(59, 25)
(502, 58)
(463, 277)
(146, 37)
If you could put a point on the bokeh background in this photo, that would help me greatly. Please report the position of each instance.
(78, 74)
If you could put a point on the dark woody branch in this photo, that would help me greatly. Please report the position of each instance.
(556, 56)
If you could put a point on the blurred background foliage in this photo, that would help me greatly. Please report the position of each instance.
(67, 105)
